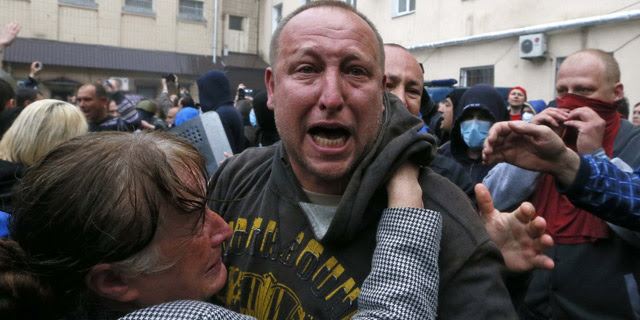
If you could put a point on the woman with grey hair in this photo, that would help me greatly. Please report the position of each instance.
(117, 224)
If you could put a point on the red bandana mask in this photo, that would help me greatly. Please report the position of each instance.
(606, 110)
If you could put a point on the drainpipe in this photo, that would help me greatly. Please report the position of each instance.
(541, 28)
(215, 31)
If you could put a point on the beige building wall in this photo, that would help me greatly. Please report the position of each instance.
(245, 41)
(439, 20)
(110, 24)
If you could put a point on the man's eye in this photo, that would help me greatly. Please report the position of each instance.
(390, 85)
(305, 69)
(357, 71)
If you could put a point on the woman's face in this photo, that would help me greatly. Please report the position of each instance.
(198, 273)
(195, 245)
(515, 98)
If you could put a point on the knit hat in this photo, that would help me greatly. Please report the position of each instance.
(186, 114)
(519, 88)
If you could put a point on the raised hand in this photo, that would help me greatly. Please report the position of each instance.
(519, 235)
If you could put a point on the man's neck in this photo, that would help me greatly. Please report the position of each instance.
(313, 183)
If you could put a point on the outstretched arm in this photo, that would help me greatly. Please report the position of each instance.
(7, 36)
(532, 147)
(403, 283)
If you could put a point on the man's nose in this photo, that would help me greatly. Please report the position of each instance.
(400, 93)
(219, 229)
(331, 97)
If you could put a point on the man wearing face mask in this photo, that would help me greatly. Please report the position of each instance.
(596, 262)
(479, 108)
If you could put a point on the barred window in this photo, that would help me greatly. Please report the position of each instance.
(235, 23)
(88, 3)
(191, 10)
(139, 6)
(476, 75)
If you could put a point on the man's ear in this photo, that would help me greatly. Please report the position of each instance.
(103, 101)
(10, 104)
(618, 91)
(270, 82)
(109, 283)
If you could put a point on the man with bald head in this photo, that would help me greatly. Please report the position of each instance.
(596, 262)
(404, 79)
(304, 212)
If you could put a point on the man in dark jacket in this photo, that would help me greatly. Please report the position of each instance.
(304, 211)
(92, 101)
(215, 95)
(479, 108)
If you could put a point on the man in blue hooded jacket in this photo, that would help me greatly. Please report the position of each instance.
(215, 95)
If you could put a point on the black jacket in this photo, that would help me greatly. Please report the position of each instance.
(215, 95)
(276, 264)
(480, 96)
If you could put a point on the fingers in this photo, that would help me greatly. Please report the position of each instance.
(551, 117)
(525, 213)
(543, 262)
(585, 118)
(226, 155)
(483, 197)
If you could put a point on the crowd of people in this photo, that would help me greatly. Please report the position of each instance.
(350, 194)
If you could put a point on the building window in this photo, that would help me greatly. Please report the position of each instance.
(88, 3)
(191, 10)
(402, 7)
(235, 23)
(276, 16)
(476, 75)
(138, 6)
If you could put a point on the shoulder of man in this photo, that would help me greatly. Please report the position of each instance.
(471, 266)
(242, 170)
(627, 143)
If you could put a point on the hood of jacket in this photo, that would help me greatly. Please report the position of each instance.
(214, 90)
(481, 96)
(397, 141)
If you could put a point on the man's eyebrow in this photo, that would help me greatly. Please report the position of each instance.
(414, 83)
(392, 78)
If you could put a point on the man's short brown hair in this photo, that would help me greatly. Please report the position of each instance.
(611, 66)
(275, 38)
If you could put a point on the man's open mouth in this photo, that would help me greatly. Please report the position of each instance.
(329, 137)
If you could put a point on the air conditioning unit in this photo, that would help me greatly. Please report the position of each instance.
(533, 46)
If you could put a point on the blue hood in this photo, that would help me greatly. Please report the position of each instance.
(214, 90)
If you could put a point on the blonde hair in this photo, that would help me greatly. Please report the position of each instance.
(40, 127)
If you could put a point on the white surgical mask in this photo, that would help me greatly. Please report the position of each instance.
(527, 116)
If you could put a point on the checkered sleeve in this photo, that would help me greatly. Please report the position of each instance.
(185, 310)
(606, 191)
(403, 283)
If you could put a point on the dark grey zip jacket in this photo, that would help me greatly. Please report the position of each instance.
(279, 269)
